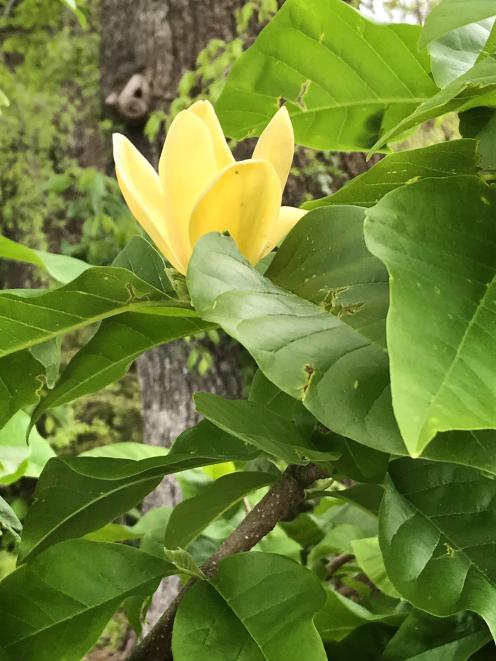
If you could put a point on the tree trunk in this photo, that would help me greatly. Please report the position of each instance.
(146, 46)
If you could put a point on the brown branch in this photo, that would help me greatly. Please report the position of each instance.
(280, 503)
(337, 562)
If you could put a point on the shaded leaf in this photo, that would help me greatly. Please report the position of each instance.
(259, 605)
(422, 637)
(21, 378)
(340, 616)
(68, 594)
(190, 517)
(264, 429)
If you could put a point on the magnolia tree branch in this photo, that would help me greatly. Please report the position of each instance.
(280, 503)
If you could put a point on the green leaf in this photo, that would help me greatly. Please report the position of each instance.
(357, 461)
(98, 293)
(437, 531)
(395, 170)
(110, 352)
(310, 354)
(422, 637)
(480, 123)
(444, 272)
(345, 79)
(340, 616)
(126, 450)
(369, 559)
(468, 448)
(259, 605)
(264, 429)
(448, 15)
(60, 267)
(50, 356)
(68, 595)
(75, 496)
(475, 88)
(325, 260)
(19, 457)
(192, 516)
(21, 378)
(456, 52)
(9, 523)
(184, 563)
(140, 257)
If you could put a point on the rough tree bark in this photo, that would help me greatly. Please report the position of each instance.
(146, 46)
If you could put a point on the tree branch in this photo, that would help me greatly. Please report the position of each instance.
(280, 503)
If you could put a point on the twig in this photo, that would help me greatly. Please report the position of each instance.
(280, 503)
(338, 562)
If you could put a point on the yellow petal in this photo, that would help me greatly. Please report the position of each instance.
(276, 144)
(187, 166)
(287, 219)
(243, 200)
(140, 186)
(205, 111)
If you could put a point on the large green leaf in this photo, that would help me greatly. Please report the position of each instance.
(309, 353)
(436, 238)
(75, 496)
(424, 638)
(325, 260)
(264, 429)
(21, 377)
(395, 170)
(98, 293)
(345, 79)
(56, 607)
(475, 88)
(437, 532)
(60, 267)
(448, 15)
(192, 516)
(109, 354)
(456, 52)
(259, 607)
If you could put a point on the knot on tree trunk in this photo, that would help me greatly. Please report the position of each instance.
(133, 103)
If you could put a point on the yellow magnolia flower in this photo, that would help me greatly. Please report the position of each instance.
(200, 188)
